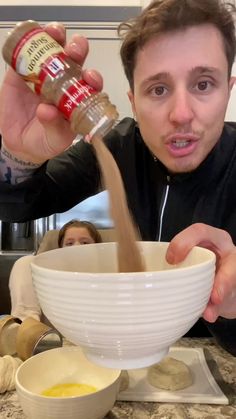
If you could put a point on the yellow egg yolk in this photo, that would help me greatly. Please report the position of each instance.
(69, 389)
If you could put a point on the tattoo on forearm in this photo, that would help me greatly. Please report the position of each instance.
(14, 170)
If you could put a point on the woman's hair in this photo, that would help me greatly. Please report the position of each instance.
(77, 223)
(163, 16)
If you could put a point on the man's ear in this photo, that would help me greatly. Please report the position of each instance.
(131, 99)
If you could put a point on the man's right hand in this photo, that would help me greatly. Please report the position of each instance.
(223, 296)
(31, 130)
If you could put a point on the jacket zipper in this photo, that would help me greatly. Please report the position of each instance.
(162, 209)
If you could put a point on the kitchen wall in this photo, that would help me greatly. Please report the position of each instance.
(231, 110)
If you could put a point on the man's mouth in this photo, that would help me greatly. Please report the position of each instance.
(181, 143)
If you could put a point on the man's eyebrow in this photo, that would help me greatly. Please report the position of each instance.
(155, 77)
(164, 75)
(204, 70)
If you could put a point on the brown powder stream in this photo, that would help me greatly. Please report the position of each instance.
(128, 253)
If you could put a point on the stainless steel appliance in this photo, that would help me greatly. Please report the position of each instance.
(16, 240)
(17, 236)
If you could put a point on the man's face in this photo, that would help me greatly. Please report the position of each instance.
(181, 92)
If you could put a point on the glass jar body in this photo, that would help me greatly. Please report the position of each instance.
(52, 74)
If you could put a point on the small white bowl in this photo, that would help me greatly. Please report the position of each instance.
(63, 365)
(122, 320)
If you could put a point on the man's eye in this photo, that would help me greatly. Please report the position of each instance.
(159, 90)
(203, 85)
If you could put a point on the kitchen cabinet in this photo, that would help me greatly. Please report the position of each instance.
(104, 56)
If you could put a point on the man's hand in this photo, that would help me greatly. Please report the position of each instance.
(223, 296)
(34, 131)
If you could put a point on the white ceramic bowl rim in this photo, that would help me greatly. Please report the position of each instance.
(166, 271)
(41, 396)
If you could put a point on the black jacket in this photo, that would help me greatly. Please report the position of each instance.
(206, 195)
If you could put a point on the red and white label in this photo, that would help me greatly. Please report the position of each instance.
(72, 97)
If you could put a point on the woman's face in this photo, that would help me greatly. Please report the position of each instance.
(75, 236)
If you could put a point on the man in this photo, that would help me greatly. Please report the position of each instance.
(177, 160)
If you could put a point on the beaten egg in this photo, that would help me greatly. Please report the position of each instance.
(69, 389)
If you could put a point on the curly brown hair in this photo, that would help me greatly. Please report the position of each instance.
(94, 233)
(171, 15)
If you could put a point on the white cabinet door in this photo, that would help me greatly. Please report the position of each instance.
(3, 34)
(104, 57)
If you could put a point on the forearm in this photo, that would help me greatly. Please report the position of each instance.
(13, 170)
(23, 186)
(55, 186)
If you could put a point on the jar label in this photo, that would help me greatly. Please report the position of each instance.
(52, 67)
(31, 52)
(73, 96)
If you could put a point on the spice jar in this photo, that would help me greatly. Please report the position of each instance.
(51, 73)
(34, 337)
(9, 326)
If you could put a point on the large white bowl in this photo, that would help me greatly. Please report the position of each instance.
(122, 320)
(65, 365)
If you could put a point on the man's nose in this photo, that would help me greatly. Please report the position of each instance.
(181, 110)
